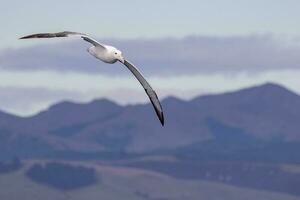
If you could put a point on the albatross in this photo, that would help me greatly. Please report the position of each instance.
(109, 54)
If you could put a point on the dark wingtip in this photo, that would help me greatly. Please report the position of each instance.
(162, 119)
(26, 37)
(160, 115)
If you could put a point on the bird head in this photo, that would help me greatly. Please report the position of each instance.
(118, 55)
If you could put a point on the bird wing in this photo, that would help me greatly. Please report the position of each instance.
(150, 92)
(51, 35)
(64, 34)
(93, 41)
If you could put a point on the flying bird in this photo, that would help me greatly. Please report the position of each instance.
(109, 54)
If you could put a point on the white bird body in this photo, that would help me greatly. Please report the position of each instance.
(109, 54)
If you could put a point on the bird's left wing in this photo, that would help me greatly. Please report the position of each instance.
(150, 92)
(64, 34)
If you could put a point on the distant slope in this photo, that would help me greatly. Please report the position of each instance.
(130, 184)
(255, 175)
(264, 117)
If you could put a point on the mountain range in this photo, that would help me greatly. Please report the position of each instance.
(247, 123)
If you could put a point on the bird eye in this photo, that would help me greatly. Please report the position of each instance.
(116, 53)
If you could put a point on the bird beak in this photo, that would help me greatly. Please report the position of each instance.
(121, 59)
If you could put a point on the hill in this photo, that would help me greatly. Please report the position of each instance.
(257, 123)
(129, 183)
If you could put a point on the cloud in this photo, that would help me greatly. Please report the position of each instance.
(160, 57)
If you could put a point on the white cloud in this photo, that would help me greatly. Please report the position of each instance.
(163, 57)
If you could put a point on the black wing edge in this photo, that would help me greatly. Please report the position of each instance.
(158, 109)
(51, 35)
(159, 113)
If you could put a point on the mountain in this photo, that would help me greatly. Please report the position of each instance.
(265, 111)
(257, 119)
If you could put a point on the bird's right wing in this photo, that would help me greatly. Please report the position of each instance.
(150, 92)
(51, 35)
(64, 34)
(92, 41)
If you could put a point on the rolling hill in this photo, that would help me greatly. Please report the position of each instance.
(129, 183)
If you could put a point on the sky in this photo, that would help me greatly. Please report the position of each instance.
(184, 48)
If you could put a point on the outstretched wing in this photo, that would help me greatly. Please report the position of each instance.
(150, 92)
(92, 41)
(64, 34)
(51, 35)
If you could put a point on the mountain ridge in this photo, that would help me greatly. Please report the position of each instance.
(168, 98)
(259, 113)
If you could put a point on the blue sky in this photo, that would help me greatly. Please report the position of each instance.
(142, 19)
(184, 48)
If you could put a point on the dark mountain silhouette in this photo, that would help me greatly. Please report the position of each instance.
(259, 116)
